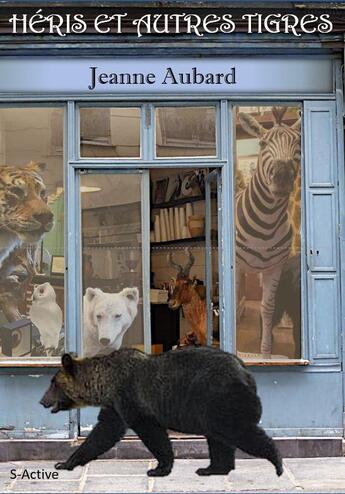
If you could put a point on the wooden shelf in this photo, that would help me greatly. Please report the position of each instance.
(180, 202)
(110, 245)
(179, 241)
(98, 245)
(190, 240)
(168, 243)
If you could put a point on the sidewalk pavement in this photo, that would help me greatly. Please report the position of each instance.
(251, 475)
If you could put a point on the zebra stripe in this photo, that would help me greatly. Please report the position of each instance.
(263, 230)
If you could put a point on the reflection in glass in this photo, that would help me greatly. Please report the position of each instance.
(111, 262)
(110, 132)
(268, 218)
(32, 232)
(185, 131)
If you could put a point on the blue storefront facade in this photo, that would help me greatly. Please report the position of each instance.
(103, 128)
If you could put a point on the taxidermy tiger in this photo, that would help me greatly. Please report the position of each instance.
(24, 218)
(24, 214)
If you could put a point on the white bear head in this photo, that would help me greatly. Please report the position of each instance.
(109, 315)
(44, 293)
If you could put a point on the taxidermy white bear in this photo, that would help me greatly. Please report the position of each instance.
(46, 316)
(107, 316)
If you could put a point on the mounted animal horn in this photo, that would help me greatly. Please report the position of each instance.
(174, 264)
(191, 260)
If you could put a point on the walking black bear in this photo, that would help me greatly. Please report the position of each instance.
(200, 391)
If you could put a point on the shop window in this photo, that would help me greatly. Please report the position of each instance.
(111, 262)
(110, 132)
(268, 232)
(185, 131)
(32, 233)
(184, 258)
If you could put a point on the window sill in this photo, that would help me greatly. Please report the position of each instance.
(30, 364)
(276, 363)
(54, 363)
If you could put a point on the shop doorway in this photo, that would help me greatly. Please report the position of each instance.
(149, 261)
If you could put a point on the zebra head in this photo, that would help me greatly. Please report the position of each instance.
(279, 159)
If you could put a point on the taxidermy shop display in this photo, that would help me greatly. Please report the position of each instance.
(107, 317)
(263, 227)
(25, 217)
(288, 299)
(185, 292)
(202, 391)
(46, 315)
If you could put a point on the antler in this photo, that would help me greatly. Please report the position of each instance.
(174, 264)
(190, 262)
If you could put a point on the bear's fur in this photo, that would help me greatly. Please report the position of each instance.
(107, 316)
(200, 391)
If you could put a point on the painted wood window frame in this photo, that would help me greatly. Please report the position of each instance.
(72, 161)
(148, 160)
(7, 365)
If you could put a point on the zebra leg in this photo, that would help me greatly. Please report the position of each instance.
(238, 273)
(270, 280)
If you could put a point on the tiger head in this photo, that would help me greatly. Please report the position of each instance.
(23, 202)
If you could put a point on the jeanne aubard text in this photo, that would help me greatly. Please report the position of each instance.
(168, 77)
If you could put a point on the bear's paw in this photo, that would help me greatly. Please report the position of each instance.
(63, 465)
(203, 472)
(159, 472)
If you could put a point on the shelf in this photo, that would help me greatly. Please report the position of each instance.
(190, 240)
(168, 243)
(108, 245)
(180, 202)
(179, 241)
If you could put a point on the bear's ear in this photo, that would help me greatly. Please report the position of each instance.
(91, 293)
(132, 294)
(67, 363)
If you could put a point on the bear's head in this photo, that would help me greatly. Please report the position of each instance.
(110, 314)
(61, 393)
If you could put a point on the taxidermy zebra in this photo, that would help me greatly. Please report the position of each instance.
(263, 229)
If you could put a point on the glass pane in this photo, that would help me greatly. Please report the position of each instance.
(110, 132)
(185, 131)
(268, 232)
(178, 258)
(32, 233)
(111, 262)
(214, 292)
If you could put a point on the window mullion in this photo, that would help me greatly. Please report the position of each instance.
(227, 281)
(147, 132)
